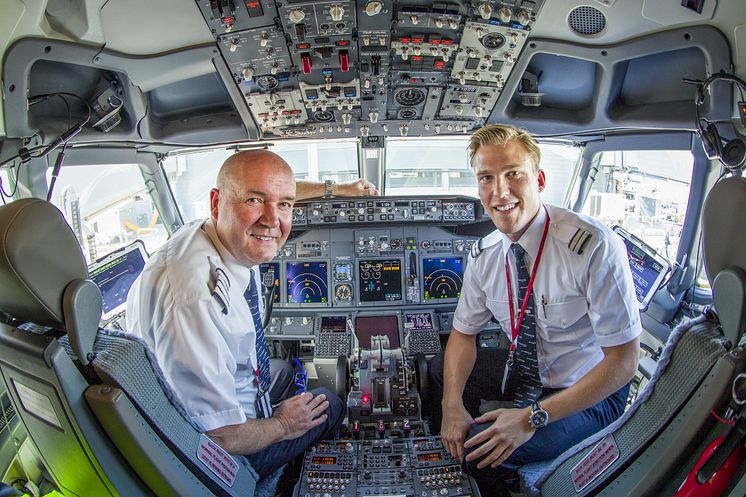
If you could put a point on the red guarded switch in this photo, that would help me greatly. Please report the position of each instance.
(344, 60)
(305, 59)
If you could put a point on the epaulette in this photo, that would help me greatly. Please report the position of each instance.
(476, 248)
(579, 240)
(221, 289)
(483, 243)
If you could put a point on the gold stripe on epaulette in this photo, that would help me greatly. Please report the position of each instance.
(579, 240)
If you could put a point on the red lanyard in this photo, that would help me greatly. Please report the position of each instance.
(514, 327)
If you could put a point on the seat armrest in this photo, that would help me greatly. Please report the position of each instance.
(161, 470)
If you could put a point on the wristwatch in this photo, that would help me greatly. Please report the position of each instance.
(328, 184)
(539, 417)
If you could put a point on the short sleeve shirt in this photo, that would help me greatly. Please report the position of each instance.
(206, 349)
(584, 297)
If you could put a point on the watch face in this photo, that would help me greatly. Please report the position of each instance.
(539, 419)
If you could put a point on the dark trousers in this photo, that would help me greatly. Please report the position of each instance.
(547, 443)
(270, 459)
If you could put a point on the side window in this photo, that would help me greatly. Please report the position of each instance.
(645, 192)
(107, 207)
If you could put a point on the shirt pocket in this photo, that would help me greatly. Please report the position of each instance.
(500, 309)
(560, 317)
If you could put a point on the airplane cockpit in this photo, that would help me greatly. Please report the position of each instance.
(117, 115)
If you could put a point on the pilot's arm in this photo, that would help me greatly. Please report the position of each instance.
(358, 188)
(292, 418)
(460, 356)
(510, 428)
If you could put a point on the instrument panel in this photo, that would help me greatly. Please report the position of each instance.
(348, 267)
(350, 259)
(369, 67)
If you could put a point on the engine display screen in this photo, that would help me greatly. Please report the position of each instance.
(307, 282)
(443, 277)
(380, 280)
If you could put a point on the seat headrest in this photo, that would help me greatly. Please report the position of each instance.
(723, 226)
(725, 253)
(39, 257)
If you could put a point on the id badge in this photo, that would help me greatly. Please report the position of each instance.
(263, 405)
(506, 372)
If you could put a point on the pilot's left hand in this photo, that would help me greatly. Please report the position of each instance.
(357, 188)
(509, 430)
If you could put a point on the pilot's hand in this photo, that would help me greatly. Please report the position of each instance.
(357, 188)
(301, 413)
(509, 431)
(453, 430)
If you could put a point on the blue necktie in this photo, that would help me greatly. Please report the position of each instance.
(525, 375)
(262, 354)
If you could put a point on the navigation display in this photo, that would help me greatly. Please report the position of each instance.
(307, 282)
(114, 276)
(273, 267)
(380, 280)
(648, 268)
(442, 277)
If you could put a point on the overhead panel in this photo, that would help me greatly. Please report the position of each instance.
(370, 67)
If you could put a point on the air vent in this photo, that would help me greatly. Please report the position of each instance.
(586, 20)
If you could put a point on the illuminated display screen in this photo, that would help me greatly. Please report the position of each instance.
(334, 323)
(273, 267)
(648, 270)
(115, 278)
(443, 277)
(418, 322)
(323, 460)
(342, 271)
(307, 283)
(430, 456)
(380, 280)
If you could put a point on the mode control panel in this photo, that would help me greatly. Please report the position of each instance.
(390, 210)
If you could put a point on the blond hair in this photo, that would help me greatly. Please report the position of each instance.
(501, 134)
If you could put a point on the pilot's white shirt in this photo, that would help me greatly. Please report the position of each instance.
(589, 297)
(208, 355)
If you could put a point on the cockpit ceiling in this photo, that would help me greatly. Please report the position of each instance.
(202, 72)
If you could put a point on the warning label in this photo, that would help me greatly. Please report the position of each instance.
(218, 460)
(595, 463)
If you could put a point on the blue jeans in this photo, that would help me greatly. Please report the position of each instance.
(551, 441)
(270, 459)
(547, 443)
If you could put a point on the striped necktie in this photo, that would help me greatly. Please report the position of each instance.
(262, 354)
(525, 375)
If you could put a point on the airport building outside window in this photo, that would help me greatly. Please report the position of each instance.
(645, 192)
(108, 207)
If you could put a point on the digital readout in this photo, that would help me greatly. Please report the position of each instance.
(323, 460)
(430, 456)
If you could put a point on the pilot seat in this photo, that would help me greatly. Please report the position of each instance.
(93, 401)
(652, 447)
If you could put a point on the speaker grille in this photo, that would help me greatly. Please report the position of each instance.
(586, 20)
